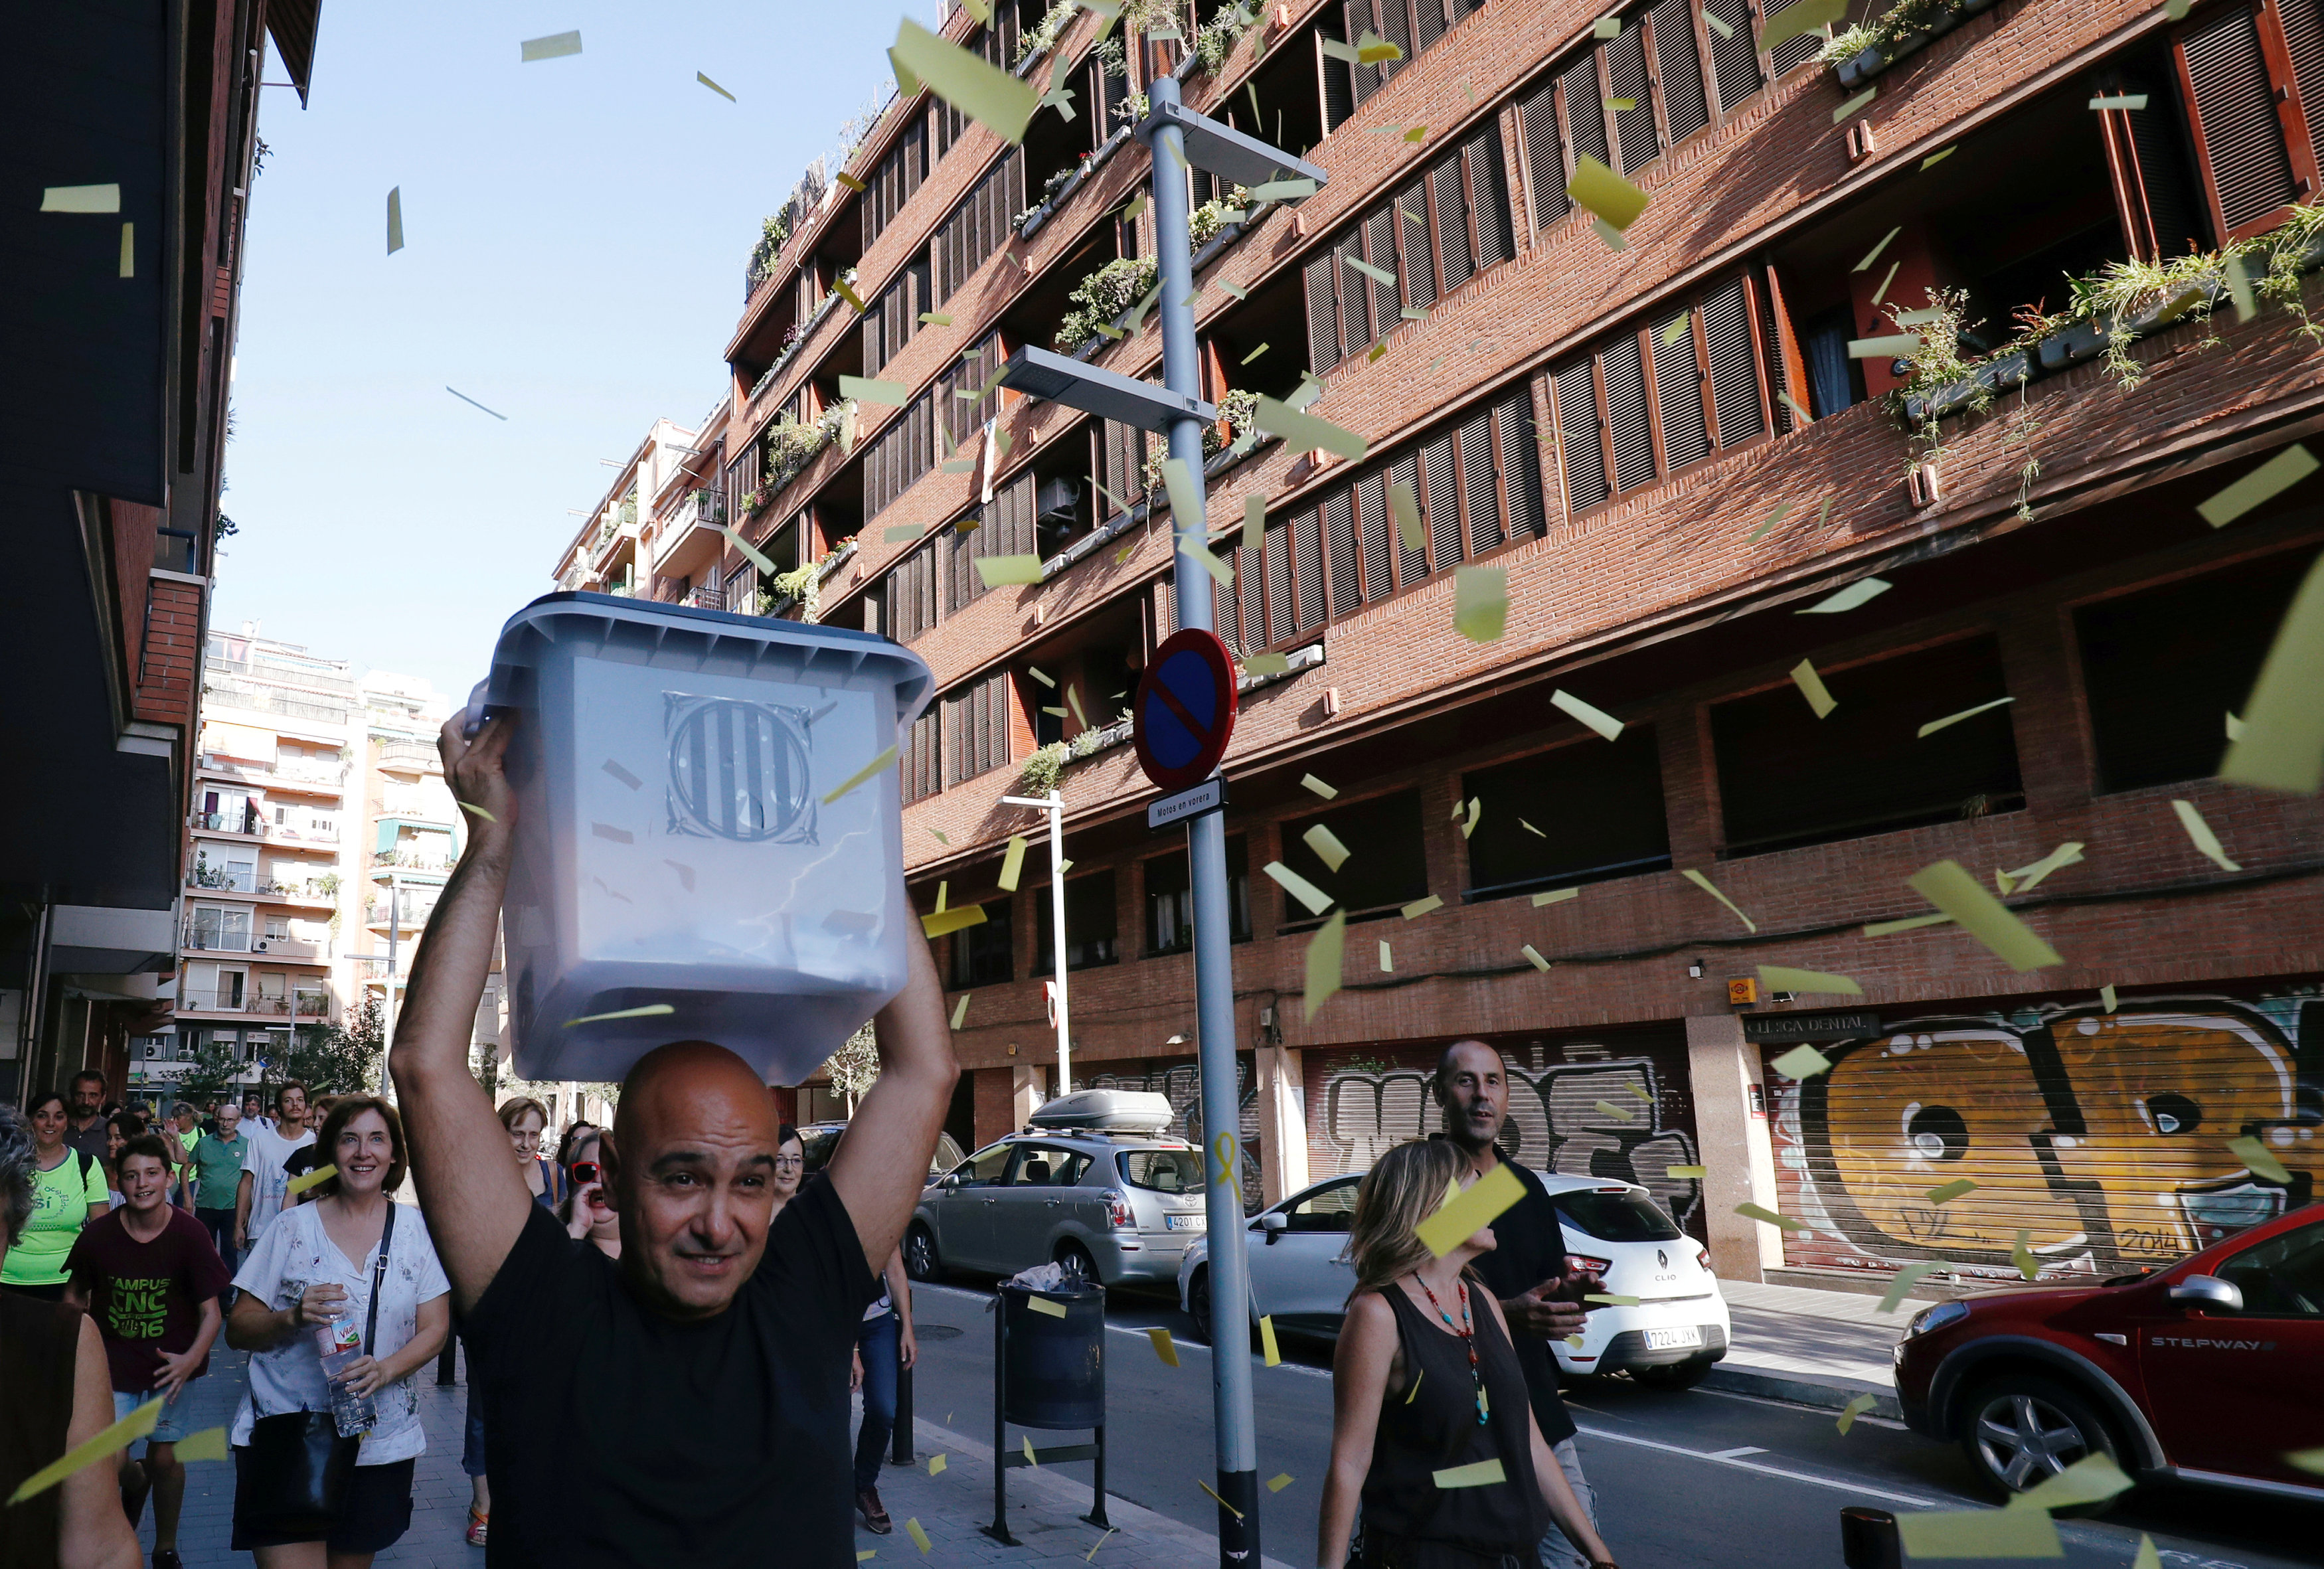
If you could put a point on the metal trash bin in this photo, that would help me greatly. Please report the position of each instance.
(1048, 1371)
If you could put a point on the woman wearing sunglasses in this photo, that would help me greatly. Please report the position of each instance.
(586, 1212)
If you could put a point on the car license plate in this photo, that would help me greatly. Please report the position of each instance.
(1185, 1222)
(1663, 1339)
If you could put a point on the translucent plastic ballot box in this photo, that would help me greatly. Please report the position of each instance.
(675, 849)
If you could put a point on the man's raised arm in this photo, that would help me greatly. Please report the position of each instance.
(473, 1194)
(883, 1164)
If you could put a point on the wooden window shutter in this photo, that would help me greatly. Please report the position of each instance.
(1545, 174)
(1477, 484)
(1417, 270)
(2243, 112)
(1735, 403)
(1626, 415)
(1356, 329)
(1579, 442)
(1625, 78)
(1428, 22)
(1679, 76)
(1451, 235)
(2152, 199)
(1488, 189)
(1585, 112)
(1379, 245)
(1340, 552)
(1335, 85)
(1356, 19)
(1411, 565)
(1734, 58)
(1678, 390)
(1322, 316)
(1307, 570)
(1440, 504)
(1396, 26)
(1791, 368)
(2303, 21)
(1278, 541)
(1520, 465)
(1372, 508)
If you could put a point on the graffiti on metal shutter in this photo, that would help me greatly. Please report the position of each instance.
(2103, 1136)
(739, 771)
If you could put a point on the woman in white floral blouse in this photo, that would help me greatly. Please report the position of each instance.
(314, 1265)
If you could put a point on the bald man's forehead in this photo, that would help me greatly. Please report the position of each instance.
(695, 1087)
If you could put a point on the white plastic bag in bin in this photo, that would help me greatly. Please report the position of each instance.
(673, 845)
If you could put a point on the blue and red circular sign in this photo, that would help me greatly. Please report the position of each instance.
(1185, 710)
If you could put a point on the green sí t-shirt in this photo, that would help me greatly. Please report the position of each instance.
(217, 1170)
(62, 1198)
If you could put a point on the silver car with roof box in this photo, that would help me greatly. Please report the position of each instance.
(1094, 1183)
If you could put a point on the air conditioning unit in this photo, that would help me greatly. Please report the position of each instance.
(1057, 500)
(258, 947)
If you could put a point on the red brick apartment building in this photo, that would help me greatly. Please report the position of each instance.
(1672, 452)
(129, 168)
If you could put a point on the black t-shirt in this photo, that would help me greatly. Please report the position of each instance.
(1529, 1247)
(615, 1436)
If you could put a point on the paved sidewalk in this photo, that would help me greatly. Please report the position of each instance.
(1816, 1348)
(1044, 1506)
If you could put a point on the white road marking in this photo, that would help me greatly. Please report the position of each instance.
(1838, 1484)
(1737, 1454)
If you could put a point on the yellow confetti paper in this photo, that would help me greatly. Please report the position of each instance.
(1811, 687)
(1933, 726)
(555, 46)
(1480, 602)
(2259, 1160)
(1040, 1304)
(2022, 1255)
(1317, 901)
(2068, 853)
(1164, 1346)
(1801, 1062)
(1855, 103)
(1860, 592)
(2263, 484)
(1012, 864)
(2106, 998)
(1901, 1283)
(1598, 719)
(1717, 26)
(1881, 929)
(1410, 1393)
(474, 810)
(723, 93)
(2281, 747)
(1949, 886)
(1478, 1205)
(997, 571)
(1277, 1483)
(2199, 832)
(1781, 978)
(1266, 1340)
(81, 198)
(1532, 957)
(651, 1010)
(1267, 664)
(301, 1183)
(1555, 895)
(1303, 432)
(889, 394)
(1325, 951)
(936, 1463)
(2093, 1478)
(1387, 958)
(1856, 1407)
(1223, 1503)
(2011, 1533)
(1934, 159)
(919, 1538)
(1620, 1113)
(1327, 845)
(1752, 1212)
(992, 97)
(1691, 1173)
(960, 1010)
(1604, 194)
(1874, 253)
(1032, 1459)
(1420, 907)
(875, 766)
(2311, 1461)
(1951, 1191)
(1611, 1300)
(1310, 782)
(1801, 16)
(209, 1443)
(1700, 881)
(766, 568)
(110, 1441)
(953, 920)
(1481, 1473)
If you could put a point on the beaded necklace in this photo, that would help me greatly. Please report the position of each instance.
(1467, 1333)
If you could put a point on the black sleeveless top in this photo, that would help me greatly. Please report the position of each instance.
(1437, 1428)
(39, 1353)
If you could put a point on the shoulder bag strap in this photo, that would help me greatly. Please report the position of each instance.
(378, 1281)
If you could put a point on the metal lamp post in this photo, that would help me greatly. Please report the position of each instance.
(1053, 805)
(1179, 138)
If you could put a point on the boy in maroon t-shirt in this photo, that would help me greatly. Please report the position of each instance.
(150, 1276)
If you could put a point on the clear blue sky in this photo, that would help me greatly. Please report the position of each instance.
(575, 235)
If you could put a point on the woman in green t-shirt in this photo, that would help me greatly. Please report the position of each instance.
(69, 1191)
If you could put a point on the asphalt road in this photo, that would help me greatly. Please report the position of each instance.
(1684, 1480)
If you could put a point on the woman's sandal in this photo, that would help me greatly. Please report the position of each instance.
(476, 1521)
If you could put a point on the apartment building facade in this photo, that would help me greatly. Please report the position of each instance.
(654, 534)
(135, 167)
(1702, 476)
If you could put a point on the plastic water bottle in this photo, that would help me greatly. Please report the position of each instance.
(341, 1345)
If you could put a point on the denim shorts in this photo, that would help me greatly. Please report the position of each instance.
(172, 1425)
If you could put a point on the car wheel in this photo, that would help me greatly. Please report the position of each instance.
(1075, 1260)
(1683, 1375)
(1198, 1304)
(920, 1259)
(2020, 1430)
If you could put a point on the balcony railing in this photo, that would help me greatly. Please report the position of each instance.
(704, 597)
(233, 694)
(211, 940)
(289, 950)
(244, 822)
(236, 1000)
(225, 879)
(409, 862)
(410, 753)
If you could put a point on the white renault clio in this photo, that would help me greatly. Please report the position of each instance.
(1669, 1339)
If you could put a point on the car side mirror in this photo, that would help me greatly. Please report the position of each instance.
(1274, 1225)
(2208, 1291)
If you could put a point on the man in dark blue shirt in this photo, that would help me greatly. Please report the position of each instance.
(1527, 1269)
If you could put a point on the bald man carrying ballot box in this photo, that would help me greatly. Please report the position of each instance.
(688, 1405)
